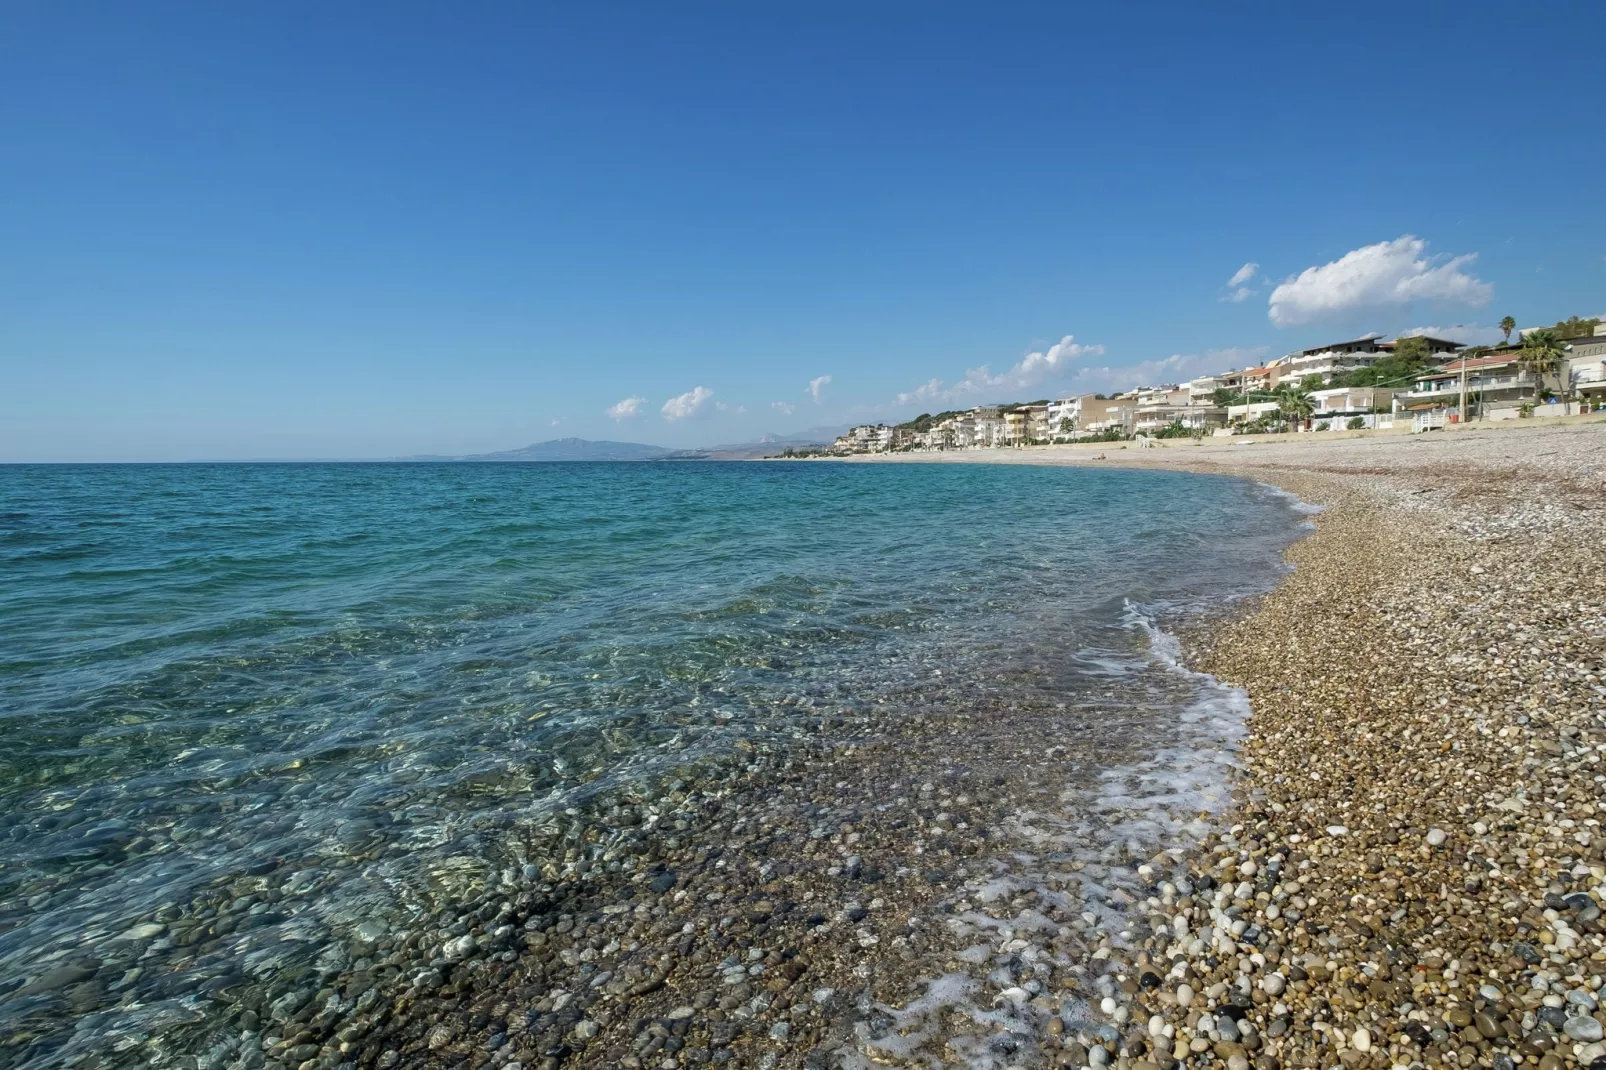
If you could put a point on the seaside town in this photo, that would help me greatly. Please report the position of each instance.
(1415, 383)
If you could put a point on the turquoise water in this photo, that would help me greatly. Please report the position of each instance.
(211, 671)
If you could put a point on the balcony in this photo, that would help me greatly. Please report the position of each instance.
(1475, 385)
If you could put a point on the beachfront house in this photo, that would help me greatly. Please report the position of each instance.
(1336, 407)
(1037, 428)
(1260, 379)
(1191, 405)
(1496, 387)
(1586, 368)
(1063, 416)
(1101, 414)
(1249, 411)
(989, 428)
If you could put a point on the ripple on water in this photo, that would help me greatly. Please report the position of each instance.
(263, 719)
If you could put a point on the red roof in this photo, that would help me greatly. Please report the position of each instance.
(1455, 366)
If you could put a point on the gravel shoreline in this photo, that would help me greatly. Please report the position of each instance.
(1409, 872)
(1415, 870)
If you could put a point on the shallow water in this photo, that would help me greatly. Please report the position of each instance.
(355, 684)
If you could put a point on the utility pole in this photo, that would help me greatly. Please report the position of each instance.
(1463, 389)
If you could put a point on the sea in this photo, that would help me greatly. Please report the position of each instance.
(332, 679)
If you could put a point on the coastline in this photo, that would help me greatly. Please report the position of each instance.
(1413, 871)
(965, 886)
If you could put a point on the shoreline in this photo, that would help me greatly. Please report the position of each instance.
(926, 892)
(1413, 874)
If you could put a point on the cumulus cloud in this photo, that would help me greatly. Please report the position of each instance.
(683, 405)
(1244, 274)
(1389, 273)
(1465, 333)
(1034, 368)
(817, 385)
(1178, 367)
(626, 409)
(781, 406)
(926, 391)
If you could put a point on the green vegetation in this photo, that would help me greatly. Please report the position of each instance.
(1542, 354)
(926, 420)
(1174, 429)
(1294, 402)
(1356, 423)
(1507, 325)
(1408, 361)
(1572, 327)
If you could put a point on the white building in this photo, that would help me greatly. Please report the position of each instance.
(1059, 412)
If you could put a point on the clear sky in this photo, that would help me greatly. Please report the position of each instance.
(297, 230)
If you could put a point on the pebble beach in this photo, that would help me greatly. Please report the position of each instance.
(1377, 844)
(1413, 869)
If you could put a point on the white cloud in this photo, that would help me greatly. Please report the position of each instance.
(782, 407)
(817, 385)
(926, 391)
(1465, 333)
(1177, 368)
(1244, 274)
(1034, 368)
(1240, 295)
(683, 405)
(721, 406)
(1394, 272)
(626, 409)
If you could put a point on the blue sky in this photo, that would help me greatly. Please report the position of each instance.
(301, 230)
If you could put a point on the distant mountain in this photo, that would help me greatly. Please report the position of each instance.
(581, 449)
(764, 446)
(570, 449)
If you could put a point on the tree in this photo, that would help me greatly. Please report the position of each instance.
(1295, 403)
(1410, 357)
(1507, 325)
(1411, 350)
(1573, 327)
(1542, 354)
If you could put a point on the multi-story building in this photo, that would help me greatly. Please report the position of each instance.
(1344, 403)
(1100, 414)
(1496, 387)
(1063, 416)
(1037, 422)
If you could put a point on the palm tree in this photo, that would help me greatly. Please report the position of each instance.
(1507, 325)
(1542, 354)
(1294, 402)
